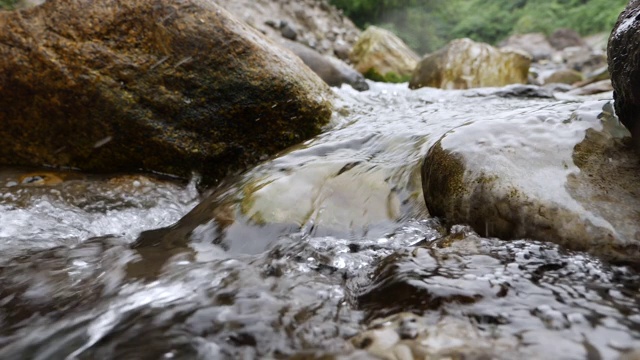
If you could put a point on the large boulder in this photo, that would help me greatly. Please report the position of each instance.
(333, 71)
(163, 85)
(623, 54)
(465, 64)
(563, 173)
(534, 44)
(382, 56)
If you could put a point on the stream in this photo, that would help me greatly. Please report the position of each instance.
(330, 254)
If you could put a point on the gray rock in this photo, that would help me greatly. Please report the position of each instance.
(569, 179)
(333, 71)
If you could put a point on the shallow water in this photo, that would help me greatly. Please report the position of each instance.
(323, 278)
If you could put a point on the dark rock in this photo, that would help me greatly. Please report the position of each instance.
(161, 85)
(623, 53)
(564, 38)
(288, 31)
(333, 71)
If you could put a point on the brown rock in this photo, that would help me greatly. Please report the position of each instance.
(465, 64)
(163, 85)
(382, 56)
(564, 38)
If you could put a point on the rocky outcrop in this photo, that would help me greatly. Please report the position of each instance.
(534, 44)
(161, 85)
(624, 66)
(382, 56)
(538, 176)
(314, 23)
(465, 64)
(332, 70)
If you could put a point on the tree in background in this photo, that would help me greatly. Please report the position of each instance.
(426, 25)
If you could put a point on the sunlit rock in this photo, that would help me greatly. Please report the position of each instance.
(624, 66)
(465, 64)
(567, 179)
(382, 56)
(168, 86)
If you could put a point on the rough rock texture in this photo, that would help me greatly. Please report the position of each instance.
(332, 70)
(164, 85)
(465, 64)
(534, 44)
(623, 53)
(319, 25)
(564, 38)
(536, 176)
(382, 56)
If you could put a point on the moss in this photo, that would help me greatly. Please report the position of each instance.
(390, 77)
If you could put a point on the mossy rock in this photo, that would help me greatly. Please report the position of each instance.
(466, 64)
(381, 56)
(158, 85)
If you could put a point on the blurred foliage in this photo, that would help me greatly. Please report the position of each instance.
(426, 25)
(8, 4)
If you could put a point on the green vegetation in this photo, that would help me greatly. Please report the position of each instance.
(426, 25)
(8, 4)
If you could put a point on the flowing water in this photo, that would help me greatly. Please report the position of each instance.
(353, 267)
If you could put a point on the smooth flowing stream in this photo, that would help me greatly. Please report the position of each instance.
(330, 252)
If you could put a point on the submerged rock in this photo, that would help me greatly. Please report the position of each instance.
(161, 85)
(333, 71)
(382, 56)
(624, 66)
(537, 176)
(465, 64)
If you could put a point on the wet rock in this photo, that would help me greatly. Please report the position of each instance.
(333, 71)
(624, 67)
(381, 56)
(597, 87)
(167, 86)
(564, 38)
(537, 176)
(406, 336)
(315, 22)
(534, 44)
(465, 64)
(564, 76)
